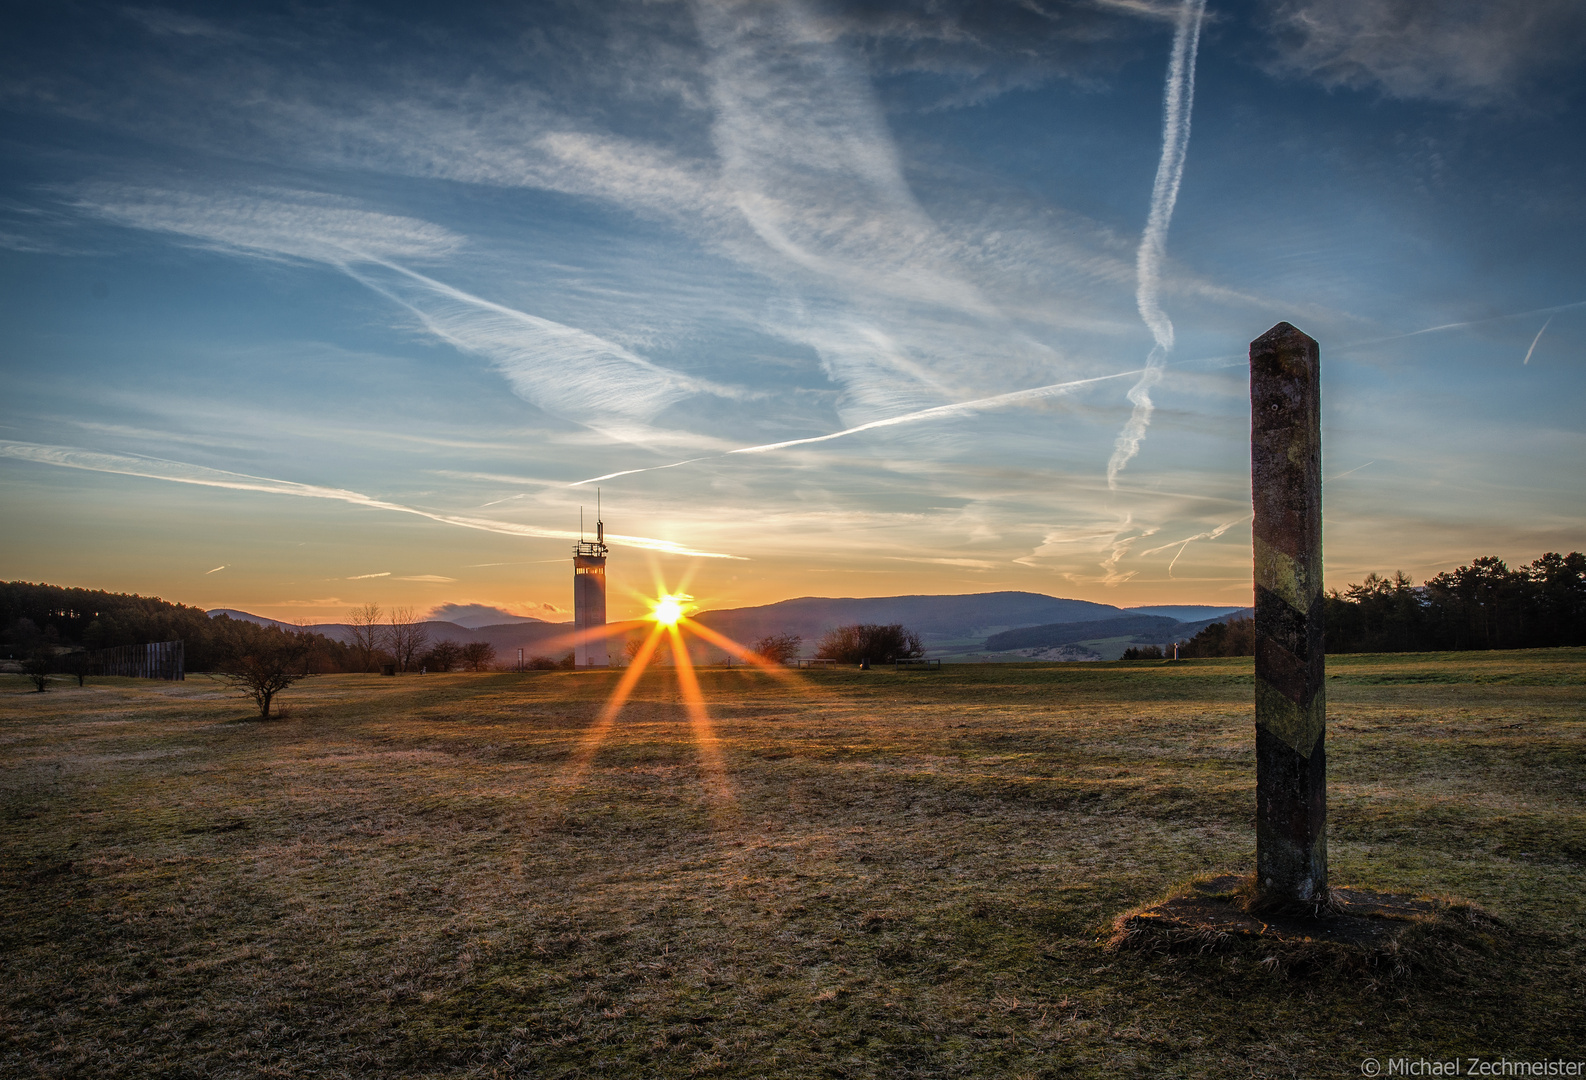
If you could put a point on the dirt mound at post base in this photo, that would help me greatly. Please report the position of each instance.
(1384, 935)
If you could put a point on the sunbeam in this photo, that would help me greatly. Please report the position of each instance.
(608, 715)
(669, 619)
(699, 717)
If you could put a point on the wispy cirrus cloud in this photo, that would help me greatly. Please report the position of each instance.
(566, 371)
(1470, 53)
(269, 222)
(180, 472)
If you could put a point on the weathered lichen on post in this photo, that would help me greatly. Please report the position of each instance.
(1291, 708)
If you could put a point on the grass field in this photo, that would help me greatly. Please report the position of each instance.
(871, 874)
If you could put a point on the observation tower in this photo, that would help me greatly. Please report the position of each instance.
(589, 597)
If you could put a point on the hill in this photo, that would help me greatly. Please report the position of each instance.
(939, 620)
(535, 638)
(1139, 629)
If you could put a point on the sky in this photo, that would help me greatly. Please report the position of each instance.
(312, 305)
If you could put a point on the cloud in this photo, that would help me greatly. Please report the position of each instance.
(162, 22)
(982, 48)
(366, 577)
(475, 615)
(433, 579)
(1115, 538)
(566, 371)
(270, 222)
(972, 564)
(1477, 52)
(179, 472)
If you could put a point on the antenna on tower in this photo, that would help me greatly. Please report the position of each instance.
(600, 526)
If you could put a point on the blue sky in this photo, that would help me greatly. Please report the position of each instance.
(309, 306)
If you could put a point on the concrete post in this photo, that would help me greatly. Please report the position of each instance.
(1291, 706)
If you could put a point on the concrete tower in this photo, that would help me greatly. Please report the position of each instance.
(589, 599)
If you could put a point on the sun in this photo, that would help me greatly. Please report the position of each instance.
(668, 609)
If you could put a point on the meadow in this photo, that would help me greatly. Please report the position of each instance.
(888, 874)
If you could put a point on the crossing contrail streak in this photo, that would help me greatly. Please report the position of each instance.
(1178, 103)
(940, 412)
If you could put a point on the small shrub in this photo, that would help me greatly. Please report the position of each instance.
(37, 668)
(274, 661)
(779, 648)
(870, 641)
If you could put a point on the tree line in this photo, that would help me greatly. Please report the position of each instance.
(47, 624)
(1483, 605)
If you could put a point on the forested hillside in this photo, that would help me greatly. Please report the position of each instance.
(35, 615)
(1484, 605)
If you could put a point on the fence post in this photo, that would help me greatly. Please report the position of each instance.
(1291, 706)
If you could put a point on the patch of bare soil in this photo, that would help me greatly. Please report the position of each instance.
(1391, 935)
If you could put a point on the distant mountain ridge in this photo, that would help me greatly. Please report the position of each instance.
(948, 624)
(533, 637)
(939, 618)
(1141, 629)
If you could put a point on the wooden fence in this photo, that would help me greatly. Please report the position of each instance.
(158, 660)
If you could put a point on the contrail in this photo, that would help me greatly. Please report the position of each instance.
(181, 472)
(939, 412)
(1182, 544)
(1177, 106)
(1346, 472)
(216, 570)
(1549, 311)
(1536, 339)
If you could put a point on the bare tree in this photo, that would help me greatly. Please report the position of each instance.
(406, 636)
(364, 623)
(444, 655)
(268, 664)
(479, 655)
(779, 648)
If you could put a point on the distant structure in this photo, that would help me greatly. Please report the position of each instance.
(589, 596)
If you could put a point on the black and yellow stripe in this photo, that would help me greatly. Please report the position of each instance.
(1291, 706)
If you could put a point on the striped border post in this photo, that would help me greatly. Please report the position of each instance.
(1291, 706)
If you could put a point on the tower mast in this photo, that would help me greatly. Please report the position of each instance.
(589, 594)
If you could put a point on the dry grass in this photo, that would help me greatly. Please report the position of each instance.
(906, 875)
